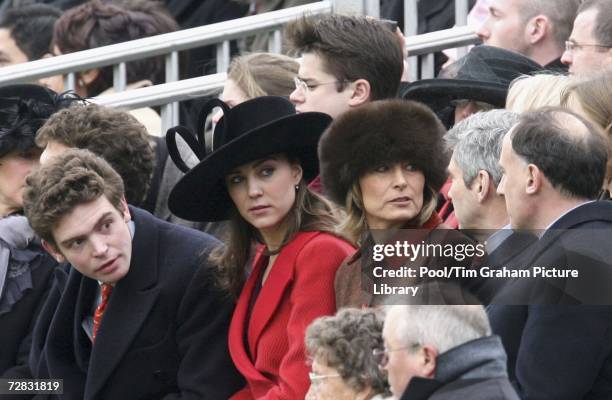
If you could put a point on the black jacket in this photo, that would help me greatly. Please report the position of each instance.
(563, 351)
(164, 332)
(475, 370)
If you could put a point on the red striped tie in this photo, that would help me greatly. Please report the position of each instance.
(107, 289)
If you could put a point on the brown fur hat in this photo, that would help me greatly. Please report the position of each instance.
(385, 131)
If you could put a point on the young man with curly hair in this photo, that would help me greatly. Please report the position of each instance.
(135, 314)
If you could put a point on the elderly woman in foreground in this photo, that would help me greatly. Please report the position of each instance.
(341, 348)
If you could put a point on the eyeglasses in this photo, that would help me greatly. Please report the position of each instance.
(381, 356)
(306, 88)
(316, 378)
(573, 46)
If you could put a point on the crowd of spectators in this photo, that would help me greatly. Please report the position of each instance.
(234, 256)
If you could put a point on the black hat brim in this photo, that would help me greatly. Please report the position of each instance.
(201, 194)
(438, 93)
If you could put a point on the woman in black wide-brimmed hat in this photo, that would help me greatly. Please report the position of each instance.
(256, 176)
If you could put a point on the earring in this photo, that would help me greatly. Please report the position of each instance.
(297, 187)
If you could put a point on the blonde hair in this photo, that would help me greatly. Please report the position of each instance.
(354, 225)
(591, 99)
(528, 93)
(264, 74)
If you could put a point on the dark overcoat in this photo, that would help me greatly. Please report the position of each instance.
(17, 324)
(562, 351)
(164, 331)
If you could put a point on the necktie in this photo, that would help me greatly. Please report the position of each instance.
(107, 289)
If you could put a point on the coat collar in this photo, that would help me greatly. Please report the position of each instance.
(266, 304)
(577, 218)
(129, 305)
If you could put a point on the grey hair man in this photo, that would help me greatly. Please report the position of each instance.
(474, 169)
(537, 29)
(589, 48)
(436, 351)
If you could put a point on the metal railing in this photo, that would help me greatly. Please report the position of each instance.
(411, 20)
(187, 89)
(219, 34)
(168, 44)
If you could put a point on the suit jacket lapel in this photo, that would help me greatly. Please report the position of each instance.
(128, 307)
(83, 308)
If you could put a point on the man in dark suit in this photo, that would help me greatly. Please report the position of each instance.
(137, 316)
(554, 164)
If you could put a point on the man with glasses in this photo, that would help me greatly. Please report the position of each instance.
(443, 353)
(346, 62)
(589, 48)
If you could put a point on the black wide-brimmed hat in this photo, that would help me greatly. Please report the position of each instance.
(484, 74)
(250, 131)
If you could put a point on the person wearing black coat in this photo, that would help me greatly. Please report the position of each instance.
(25, 267)
(557, 330)
(163, 332)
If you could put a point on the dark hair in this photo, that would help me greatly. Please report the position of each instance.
(73, 178)
(112, 134)
(31, 27)
(21, 118)
(569, 150)
(310, 212)
(602, 30)
(352, 48)
(95, 23)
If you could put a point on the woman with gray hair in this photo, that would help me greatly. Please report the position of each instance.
(341, 347)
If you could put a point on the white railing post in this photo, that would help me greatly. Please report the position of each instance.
(70, 81)
(223, 56)
(275, 42)
(348, 7)
(170, 111)
(372, 8)
(119, 77)
(411, 28)
(461, 12)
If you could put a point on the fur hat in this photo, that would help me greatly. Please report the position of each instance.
(385, 131)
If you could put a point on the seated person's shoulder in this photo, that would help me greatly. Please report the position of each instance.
(323, 243)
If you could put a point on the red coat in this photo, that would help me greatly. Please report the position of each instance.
(299, 288)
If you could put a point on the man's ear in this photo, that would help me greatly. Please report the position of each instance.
(537, 28)
(361, 93)
(126, 210)
(51, 249)
(430, 355)
(535, 179)
(484, 185)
